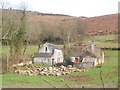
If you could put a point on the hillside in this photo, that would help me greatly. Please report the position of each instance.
(99, 24)
(106, 24)
(53, 23)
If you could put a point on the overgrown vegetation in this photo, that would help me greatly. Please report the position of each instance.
(14, 36)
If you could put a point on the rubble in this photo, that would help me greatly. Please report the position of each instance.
(48, 71)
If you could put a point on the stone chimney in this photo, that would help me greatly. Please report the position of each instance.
(93, 47)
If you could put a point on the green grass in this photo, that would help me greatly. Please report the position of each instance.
(103, 40)
(5, 51)
(0, 79)
(105, 37)
(31, 49)
(13, 79)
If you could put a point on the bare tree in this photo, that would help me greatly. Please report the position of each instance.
(79, 32)
(23, 6)
(14, 32)
(66, 30)
(5, 4)
(72, 31)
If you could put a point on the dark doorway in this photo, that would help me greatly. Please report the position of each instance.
(52, 61)
(45, 49)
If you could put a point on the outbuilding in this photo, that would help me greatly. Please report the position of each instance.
(90, 57)
(49, 54)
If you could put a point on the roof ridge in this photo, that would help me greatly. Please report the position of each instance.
(53, 45)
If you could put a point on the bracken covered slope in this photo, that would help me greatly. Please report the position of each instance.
(106, 24)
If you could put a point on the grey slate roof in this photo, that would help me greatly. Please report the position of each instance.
(43, 55)
(96, 52)
(76, 54)
(88, 51)
(52, 46)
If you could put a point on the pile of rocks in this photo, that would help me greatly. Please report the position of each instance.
(52, 71)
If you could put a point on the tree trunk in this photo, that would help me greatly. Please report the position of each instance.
(7, 62)
(68, 41)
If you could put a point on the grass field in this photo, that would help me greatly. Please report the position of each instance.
(109, 41)
(89, 79)
(31, 49)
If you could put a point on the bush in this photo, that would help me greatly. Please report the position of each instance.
(68, 61)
